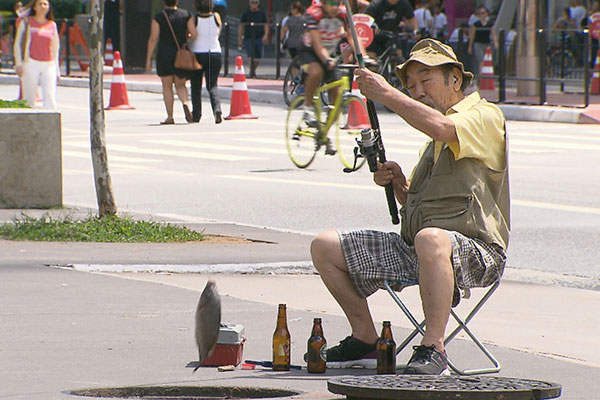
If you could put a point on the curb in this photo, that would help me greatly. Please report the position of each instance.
(511, 112)
(526, 276)
(258, 95)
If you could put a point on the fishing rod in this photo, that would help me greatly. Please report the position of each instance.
(370, 144)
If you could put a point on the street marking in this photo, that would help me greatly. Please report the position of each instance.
(174, 153)
(181, 132)
(88, 155)
(555, 136)
(527, 151)
(554, 144)
(556, 206)
(522, 203)
(299, 182)
(225, 147)
(67, 171)
(121, 169)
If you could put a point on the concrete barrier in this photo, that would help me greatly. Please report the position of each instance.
(30, 159)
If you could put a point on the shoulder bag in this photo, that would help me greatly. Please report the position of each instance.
(185, 58)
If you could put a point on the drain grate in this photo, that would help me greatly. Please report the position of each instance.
(184, 392)
(429, 387)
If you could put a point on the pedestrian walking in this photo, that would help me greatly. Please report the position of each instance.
(36, 50)
(481, 36)
(182, 25)
(440, 23)
(207, 49)
(253, 25)
(112, 23)
(424, 19)
(292, 29)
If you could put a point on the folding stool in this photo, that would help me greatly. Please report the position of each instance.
(462, 326)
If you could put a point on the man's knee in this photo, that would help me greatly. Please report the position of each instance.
(325, 247)
(432, 243)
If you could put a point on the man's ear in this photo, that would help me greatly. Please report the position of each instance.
(456, 79)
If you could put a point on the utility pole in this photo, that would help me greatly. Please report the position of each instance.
(102, 181)
(531, 15)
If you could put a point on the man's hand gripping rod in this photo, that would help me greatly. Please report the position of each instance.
(371, 145)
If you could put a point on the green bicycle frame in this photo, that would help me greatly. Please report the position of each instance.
(344, 85)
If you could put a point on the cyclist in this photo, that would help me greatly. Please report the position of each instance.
(325, 27)
(391, 16)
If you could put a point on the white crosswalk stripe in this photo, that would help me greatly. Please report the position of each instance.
(260, 144)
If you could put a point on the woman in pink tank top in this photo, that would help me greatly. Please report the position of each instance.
(36, 54)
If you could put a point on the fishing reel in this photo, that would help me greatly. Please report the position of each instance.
(367, 146)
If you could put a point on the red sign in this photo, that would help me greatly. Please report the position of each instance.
(595, 25)
(362, 23)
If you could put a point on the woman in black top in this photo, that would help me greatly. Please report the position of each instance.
(481, 36)
(183, 26)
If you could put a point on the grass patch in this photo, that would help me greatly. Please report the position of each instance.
(13, 104)
(93, 229)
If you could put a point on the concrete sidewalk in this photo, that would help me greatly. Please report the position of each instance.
(66, 327)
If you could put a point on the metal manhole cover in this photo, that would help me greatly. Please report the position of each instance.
(184, 392)
(417, 387)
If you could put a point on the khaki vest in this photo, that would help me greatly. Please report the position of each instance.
(463, 196)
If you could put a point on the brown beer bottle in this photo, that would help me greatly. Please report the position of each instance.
(317, 349)
(386, 351)
(281, 342)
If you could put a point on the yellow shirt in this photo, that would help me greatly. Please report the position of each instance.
(480, 131)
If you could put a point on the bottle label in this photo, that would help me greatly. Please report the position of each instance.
(283, 350)
(323, 352)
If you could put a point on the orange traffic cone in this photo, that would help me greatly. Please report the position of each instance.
(240, 103)
(357, 114)
(118, 89)
(487, 69)
(108, 54)
(596, 76)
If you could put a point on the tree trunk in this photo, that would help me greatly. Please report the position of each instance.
(104, 192)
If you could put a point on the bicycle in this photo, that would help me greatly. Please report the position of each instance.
(388, 60)
(561, 62)
(303, 141)
(293, 82)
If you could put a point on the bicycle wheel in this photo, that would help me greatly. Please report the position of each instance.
(300, 139)
(352, 120)
(293, 83)
(562, 64)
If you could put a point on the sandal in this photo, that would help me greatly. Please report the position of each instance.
(188, 114)
(168, 121)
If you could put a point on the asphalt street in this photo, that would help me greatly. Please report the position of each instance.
(239, 172)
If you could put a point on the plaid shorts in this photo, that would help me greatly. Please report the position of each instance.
(373, 256)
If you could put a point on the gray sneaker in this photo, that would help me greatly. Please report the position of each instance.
(309, 117)
(329, 150)
(426, 360)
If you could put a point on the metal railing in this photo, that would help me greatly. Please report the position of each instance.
(563, 67)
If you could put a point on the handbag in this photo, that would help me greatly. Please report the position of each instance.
(184, 59)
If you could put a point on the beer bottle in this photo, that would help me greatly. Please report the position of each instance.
(281, 342)
(317, 349)
(386, 351)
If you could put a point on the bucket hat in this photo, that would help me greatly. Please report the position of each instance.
(432, 53)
